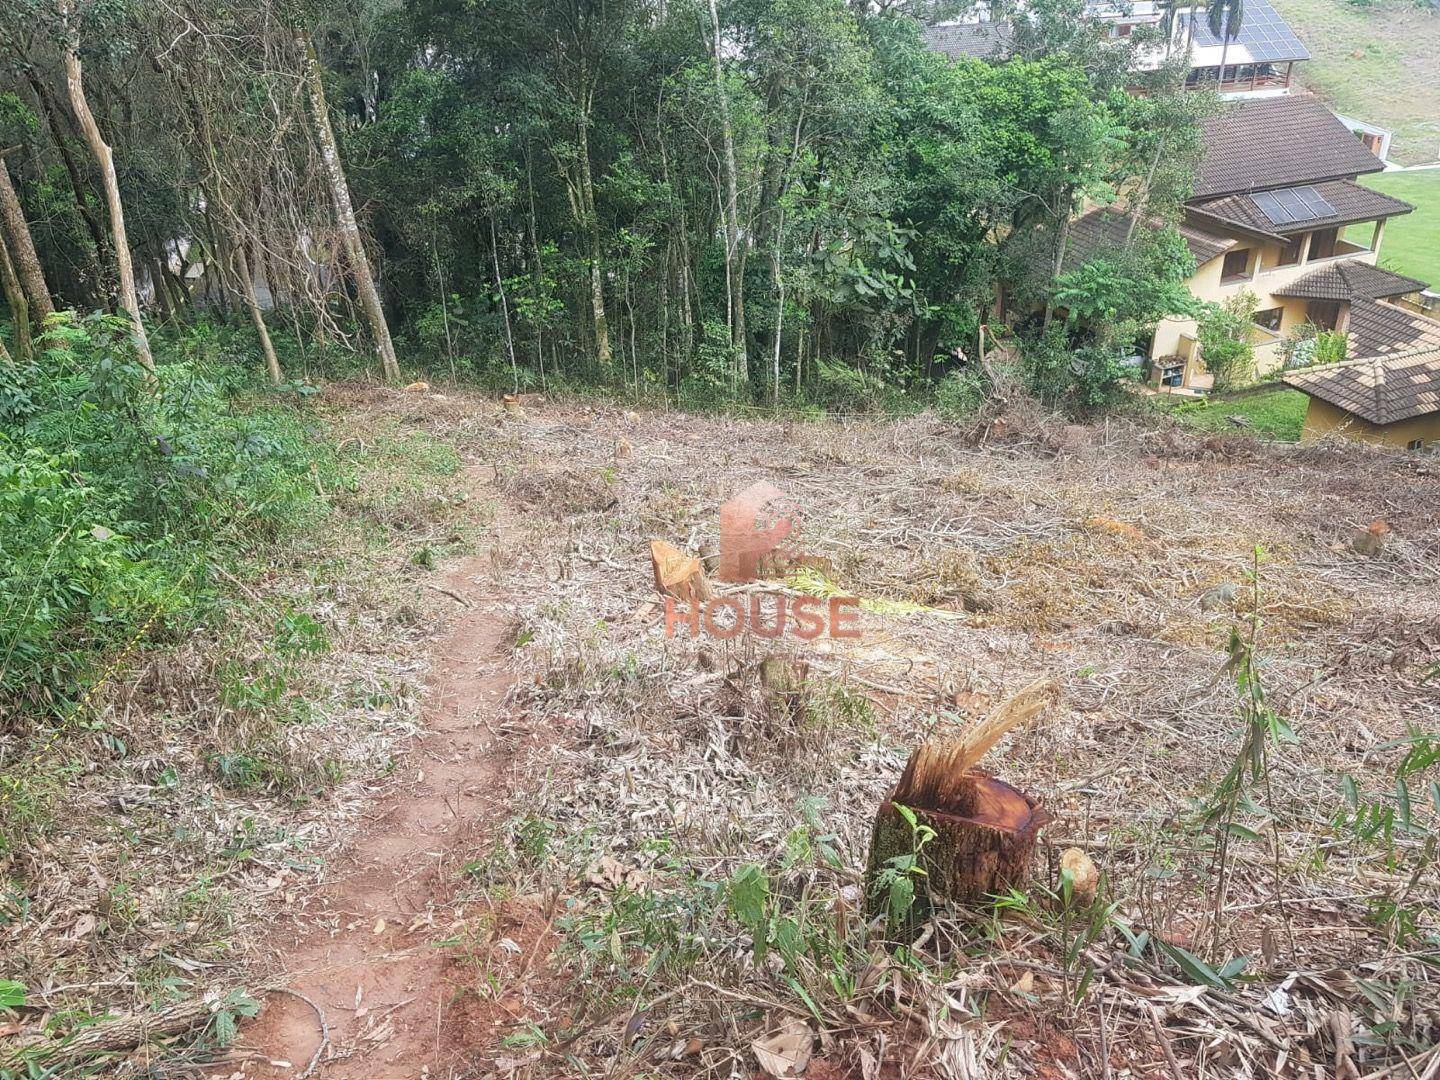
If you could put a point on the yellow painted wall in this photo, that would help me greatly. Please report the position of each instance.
(1322, 419)
(1265, 277)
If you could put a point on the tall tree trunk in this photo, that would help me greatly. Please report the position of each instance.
(19, 306)
(17, 234)
(125, 270)
(734, 265)
(504, 308)
(1061, 242)
(603, 351)
(77, 185)
(345, 212)
(1143, 195)
(246, 274)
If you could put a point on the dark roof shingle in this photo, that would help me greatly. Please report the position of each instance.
(1349, 280)
(1382, 390)
(1350, 201)
(979, 41)
(1092, 234)
(1277, 142)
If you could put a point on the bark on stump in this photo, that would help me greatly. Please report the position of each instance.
(985, 830)
(984, 837)
(678, 573)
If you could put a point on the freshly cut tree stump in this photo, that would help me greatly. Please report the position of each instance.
(984, 837)
(678, 573)
(985, 830)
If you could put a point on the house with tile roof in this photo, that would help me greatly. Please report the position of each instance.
(1388, 400)
(1258, 61)
(1276, 212)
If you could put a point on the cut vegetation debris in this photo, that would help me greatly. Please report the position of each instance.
(680, 890)
(695, 829)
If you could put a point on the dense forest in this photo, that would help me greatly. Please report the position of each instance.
(724, 200)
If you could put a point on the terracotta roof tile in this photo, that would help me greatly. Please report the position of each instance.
(1278, 142)
(1377, 329)
(1352, 203)
(1382, 390)
(1350, 280)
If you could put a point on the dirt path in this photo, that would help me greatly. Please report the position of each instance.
(361, 952)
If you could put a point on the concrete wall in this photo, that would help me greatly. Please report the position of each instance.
(1323, 419)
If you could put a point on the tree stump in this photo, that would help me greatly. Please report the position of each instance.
(985, 830)
(678, 573)
(984, 837)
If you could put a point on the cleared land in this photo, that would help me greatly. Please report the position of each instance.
(674, 887)
(704, 837)
(1375, 62)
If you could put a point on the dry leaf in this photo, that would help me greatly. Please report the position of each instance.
(786, 1053)
(379, 926)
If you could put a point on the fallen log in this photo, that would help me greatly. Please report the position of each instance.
(984, 829)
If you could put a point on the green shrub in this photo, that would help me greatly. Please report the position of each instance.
(119, 492)
(1225, 340)
(960, 394)
(70, 576)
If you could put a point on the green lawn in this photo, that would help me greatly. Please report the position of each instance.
(1411, 244)
(1376, 63)
(1273, 414)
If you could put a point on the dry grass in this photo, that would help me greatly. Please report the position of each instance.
(674, 768)
(669, 767)
(207, 780)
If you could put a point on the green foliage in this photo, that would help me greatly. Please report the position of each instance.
(12, 994)
(1126, 289)
(1307, 344)
(1233, 802)
(1273, 413)
(960, 394)
(117, 496)
(897, 883)
(1226, 340)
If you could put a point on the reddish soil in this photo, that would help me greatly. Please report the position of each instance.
(362, 950)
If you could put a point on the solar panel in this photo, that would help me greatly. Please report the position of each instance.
(1289, 205)
(1267, 36)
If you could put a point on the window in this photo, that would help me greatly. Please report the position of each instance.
(1415, 444)
(1235, 266)
(1270, 319)
(1290, 253)
(1322, 243)
(1123, 30)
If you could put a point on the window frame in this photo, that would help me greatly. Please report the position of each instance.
(1279, 313)
(1299, 245)
(1244, 275)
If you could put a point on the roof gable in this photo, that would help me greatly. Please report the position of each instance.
(1382, 390)
(1277, 142)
